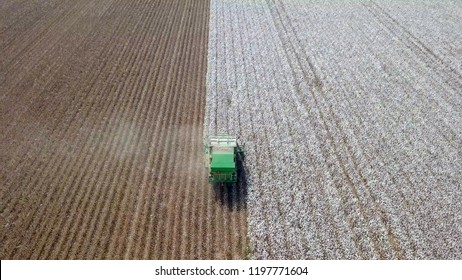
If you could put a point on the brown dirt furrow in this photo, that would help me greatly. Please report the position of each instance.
(166, 143)
(17, 42)
(179, 166)
(174, 131)
(182, 218)
(47, 125)
(30, 14)
(189, 221)
(152, 139)
(44, 99)
(34, 186)
(97, 136)
(22, 63)
(124, 147)
(115, 136)
(142, 117)
(67, 179)
(157, 140)
(123, 133)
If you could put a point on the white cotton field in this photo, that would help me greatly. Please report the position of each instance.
(351, 112)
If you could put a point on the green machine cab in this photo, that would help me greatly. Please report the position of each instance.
(222, 155)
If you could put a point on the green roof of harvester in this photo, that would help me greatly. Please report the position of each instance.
(223, 159)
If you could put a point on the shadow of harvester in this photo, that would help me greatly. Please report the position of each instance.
(233, 196)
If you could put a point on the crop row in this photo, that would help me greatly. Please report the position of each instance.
(351, 123)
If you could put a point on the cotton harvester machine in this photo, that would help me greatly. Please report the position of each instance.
(222, 156)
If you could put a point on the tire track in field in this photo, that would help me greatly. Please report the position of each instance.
(382, 155)
(380, 212)
(388, 109)
(351, 219)
(449, 99)
(450, 76)
(298, 150)
(416, 193)
(317, 87)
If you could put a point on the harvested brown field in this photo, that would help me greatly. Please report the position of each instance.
(101, 114)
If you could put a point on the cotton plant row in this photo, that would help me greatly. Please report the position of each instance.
(436, 24)
(411, 117)
(353, 146)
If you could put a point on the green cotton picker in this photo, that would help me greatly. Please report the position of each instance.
(222, 155)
